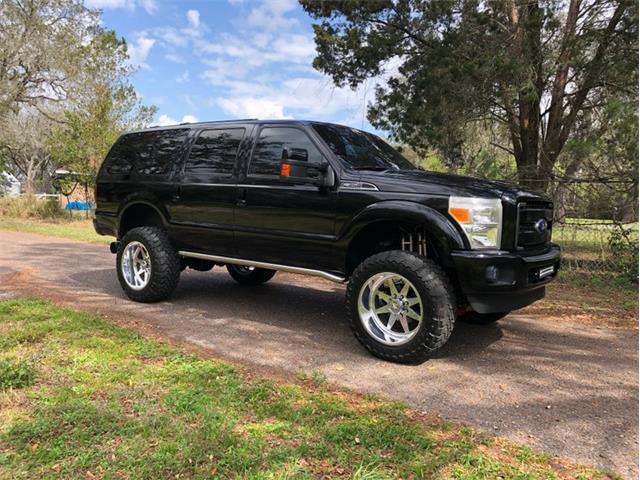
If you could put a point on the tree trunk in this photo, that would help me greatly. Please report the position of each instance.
(526, 25)
(29, 186)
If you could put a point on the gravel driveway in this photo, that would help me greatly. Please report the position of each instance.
(567, 389)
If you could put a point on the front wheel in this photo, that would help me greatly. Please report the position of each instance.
(246, 275)
(400, 306)
(148, 266)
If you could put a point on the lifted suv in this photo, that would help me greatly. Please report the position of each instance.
(417, 248)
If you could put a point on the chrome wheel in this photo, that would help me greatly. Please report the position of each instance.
(136, 265)
(390, 308)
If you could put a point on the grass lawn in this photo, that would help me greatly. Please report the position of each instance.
(77, 229)
(81, 398)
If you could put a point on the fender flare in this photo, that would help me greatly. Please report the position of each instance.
(445, 234)
(139, 200)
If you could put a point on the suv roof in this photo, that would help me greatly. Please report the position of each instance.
(226, 122)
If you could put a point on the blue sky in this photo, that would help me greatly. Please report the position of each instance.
(223, 59)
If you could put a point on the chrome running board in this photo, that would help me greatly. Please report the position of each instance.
(270, 266)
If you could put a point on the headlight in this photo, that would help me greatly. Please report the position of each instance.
(480, 218)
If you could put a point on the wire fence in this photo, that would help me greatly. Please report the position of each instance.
(597, 226)
(598, 247)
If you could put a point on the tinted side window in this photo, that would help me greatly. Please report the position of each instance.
(214, 153)
(267, 154)
(122, 155)
(158, 150)
(148, 153)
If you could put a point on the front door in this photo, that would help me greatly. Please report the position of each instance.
(281, 222)
(204, 210)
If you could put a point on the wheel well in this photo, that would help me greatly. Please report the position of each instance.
(139, 215)
(382, 236)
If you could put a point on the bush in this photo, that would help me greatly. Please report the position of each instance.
(15, 374)
(28, 206)
(624, 250)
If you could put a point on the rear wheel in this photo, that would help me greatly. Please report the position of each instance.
(247, 275)
(400, 306)
(481, 318)
(147, 264)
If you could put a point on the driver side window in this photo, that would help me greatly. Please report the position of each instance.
(271, 142)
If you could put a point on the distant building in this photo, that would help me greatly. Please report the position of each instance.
(9, 185)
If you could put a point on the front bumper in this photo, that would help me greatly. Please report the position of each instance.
(500, 281)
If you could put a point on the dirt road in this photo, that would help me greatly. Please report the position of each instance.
(567, 389)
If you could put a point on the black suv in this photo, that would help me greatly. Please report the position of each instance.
(419, 249)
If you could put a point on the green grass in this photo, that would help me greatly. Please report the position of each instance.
(15, 373)
(81, 230)
(103, 402)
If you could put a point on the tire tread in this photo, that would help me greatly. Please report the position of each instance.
(165, 266)
(431, 275)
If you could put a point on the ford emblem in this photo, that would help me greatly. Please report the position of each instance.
(541, 226)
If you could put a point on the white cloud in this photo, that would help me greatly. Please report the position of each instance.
(171, 36)
(247, 107)
(109, 4)
(139, 51)
(221, 70)
(166, 120)
(292, 48)
(189, 119)
(193, 17)
(271, 15)
(163, 121)
(302, 97)
(259, 50)
(150, 6)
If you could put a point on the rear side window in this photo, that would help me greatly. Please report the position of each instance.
(121, 157)
(213, 154)
(146, 153)
(267, 153)
(165, 146)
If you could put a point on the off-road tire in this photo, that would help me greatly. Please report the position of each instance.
(476, 318)
(257, 276)
(165, 264)
(435, 291)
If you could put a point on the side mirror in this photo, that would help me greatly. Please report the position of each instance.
(295, 168)
(297, 154)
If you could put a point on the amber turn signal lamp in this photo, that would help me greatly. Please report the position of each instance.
(285, 170)
(460, 214)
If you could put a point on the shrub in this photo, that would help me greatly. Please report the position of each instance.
(624, 250)
(28, 206)
(16, 374)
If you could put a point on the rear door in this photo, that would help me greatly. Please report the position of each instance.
(139, 167)
(282, 222)
(204, 209)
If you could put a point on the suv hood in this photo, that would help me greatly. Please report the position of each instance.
(445, 184)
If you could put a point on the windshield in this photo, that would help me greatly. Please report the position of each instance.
(361, 150)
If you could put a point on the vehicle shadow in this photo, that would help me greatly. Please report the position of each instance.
(288, 302)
